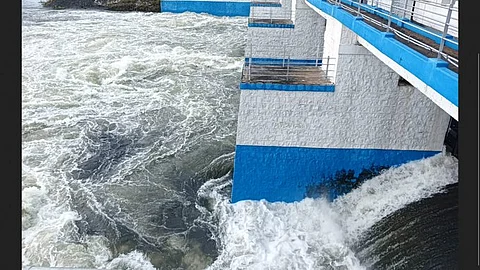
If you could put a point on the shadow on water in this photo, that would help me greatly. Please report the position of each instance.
(422, 235)
(341, 182)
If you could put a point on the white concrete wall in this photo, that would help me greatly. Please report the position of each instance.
(292, 3)
(283, 12)
(305, 41)
(308, 35)
(337, 38)
(367, 110)
(268, 42)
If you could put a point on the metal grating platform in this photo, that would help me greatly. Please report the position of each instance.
(306, 75)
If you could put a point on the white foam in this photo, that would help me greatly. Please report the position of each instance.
(394, 189)
(300, 235)
(134, 260)
(314, 233)
(54, 241)
(33, 198)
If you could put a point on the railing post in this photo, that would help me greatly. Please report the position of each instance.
(270, 10)
(390, 16)
(405, 8)
(250, 60)
(445, 28)
(326, 71)
(288, 66)
(359, 5)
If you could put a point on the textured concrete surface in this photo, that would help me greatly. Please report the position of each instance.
(305, 41)
(267, 12)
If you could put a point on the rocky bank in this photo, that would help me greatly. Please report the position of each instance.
(117, 5)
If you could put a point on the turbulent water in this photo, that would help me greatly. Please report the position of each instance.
(128, 138)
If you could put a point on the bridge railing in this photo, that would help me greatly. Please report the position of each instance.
(275, 13)
(271, 14)
(378, 9)
(317, 75)
(283, 66)
(426, 12)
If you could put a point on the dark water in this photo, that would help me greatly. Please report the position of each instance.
(422, 235)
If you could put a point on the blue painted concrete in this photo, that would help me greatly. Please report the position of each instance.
(279, 61)
(216, 8)
(266, 5)
(283, 173)
(407, 24)
(271, 25)
(431, 71)
(287, 87)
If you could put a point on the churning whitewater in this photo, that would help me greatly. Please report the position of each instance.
(128, 139)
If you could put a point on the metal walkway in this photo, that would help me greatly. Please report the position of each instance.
(406, 35)
(402, 18)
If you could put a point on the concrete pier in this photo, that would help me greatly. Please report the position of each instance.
(293, 140)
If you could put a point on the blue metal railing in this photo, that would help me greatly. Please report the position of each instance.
(442, 38)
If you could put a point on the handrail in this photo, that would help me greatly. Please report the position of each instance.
(273, 13)
(443, 39)
(424, 15)
(389, 15)
(433, 3)
(283, 70)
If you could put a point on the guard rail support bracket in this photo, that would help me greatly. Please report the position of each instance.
(438, 62)
(400, 22)
(388, 34)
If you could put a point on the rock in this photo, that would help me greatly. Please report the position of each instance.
(61, 4)
(134, 5)
(116, 5)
